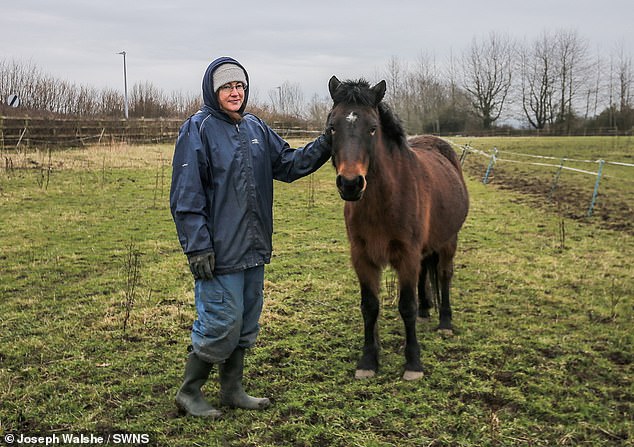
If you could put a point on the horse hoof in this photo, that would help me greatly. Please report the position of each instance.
(445, 332)
(364, 374)
(412, 375)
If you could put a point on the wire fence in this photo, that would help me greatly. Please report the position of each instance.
(16, 133)
(495, 158)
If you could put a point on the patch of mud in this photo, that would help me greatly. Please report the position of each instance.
(609, 212)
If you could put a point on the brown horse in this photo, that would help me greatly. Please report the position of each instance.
(405, 203)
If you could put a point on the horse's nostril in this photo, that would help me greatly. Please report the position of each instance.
(355, 184)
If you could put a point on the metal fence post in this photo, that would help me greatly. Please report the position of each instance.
(553, 187)
(596, 188)
(465, 152)
(485, 180)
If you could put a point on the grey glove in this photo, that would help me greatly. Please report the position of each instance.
(202, 265)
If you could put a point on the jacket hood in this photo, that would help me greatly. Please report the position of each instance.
(209, 93)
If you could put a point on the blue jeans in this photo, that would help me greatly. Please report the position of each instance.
(229, 308)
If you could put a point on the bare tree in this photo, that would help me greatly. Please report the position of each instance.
(488, 70)
(184, 104)
(620, 110)
(146, 100)
(17, 78)
(288, 99)
(44, 93)
(538, 81)
(111, 102)
(625, 78)
(572, 70)
(318, 109)
(593, 89)
(394, 78)
(426, 99)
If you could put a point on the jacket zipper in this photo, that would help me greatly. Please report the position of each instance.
(251, 199)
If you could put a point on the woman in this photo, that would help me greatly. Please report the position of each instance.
(221, 200)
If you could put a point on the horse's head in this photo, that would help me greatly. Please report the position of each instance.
(354, 124)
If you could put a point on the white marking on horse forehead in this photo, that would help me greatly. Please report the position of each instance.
(352, 117)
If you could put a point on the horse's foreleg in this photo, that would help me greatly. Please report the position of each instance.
(369, 275)
(368, 364)
(407, 308)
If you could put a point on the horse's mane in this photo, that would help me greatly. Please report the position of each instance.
(360, 93)
(392, 125)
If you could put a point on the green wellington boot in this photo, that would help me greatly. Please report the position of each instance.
(231, 392)
(190, 399)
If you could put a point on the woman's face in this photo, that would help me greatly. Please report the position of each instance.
(231, 96)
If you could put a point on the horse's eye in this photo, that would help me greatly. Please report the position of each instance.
(372, 130)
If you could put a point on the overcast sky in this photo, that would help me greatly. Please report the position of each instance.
(170, 43)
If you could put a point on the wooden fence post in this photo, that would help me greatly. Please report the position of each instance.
(21, 136)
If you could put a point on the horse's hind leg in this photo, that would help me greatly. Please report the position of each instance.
(445, 273)
(424, 292)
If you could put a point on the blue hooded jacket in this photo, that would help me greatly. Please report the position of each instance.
(221, 195)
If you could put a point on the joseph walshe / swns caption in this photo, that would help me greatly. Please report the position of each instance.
(16, 439)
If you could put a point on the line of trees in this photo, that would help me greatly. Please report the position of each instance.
(41, 93)
(552, 83)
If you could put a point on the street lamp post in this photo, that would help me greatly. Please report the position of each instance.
(125, 87)
(279, 89)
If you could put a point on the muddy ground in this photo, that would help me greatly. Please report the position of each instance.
(610, 210)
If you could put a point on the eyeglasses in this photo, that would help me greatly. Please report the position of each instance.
(228, 88)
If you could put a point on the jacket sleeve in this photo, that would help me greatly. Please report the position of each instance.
(291, 164)
(190, 189)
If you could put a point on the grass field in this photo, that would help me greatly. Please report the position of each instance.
(531, 166)
(96, 307)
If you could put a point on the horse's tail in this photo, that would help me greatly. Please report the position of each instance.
(431, 262)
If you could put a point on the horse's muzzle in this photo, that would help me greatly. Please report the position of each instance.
(351, 189)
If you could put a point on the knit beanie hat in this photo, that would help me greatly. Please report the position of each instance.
(227, 73)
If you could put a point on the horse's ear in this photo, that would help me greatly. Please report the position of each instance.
(379, 92)
(333, 85)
